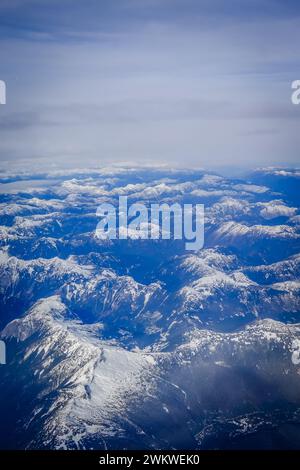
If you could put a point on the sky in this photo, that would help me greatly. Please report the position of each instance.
(200, 83)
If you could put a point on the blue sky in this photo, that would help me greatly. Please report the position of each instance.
(188, 82)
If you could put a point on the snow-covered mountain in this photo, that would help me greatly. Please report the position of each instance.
(118, 343)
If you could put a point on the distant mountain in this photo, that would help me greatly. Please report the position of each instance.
(118, 343)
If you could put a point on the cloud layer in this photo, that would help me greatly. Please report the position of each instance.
(176, 81)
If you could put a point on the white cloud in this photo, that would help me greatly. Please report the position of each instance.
(200, 89)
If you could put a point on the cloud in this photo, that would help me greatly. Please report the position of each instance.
(143, 81)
